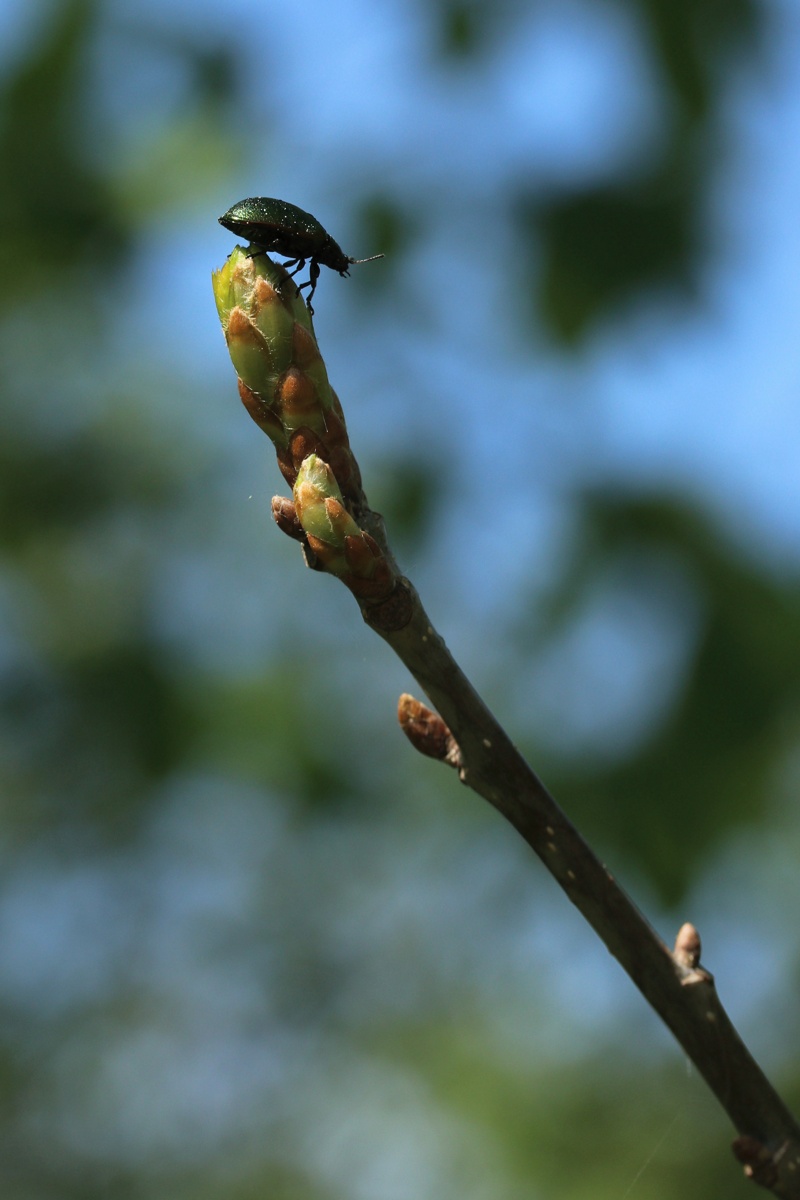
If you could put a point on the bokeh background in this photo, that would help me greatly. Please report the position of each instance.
(250, 944)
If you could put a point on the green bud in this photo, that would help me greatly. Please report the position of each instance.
(340, 546)
(249, 352)
(319, 505)
(271, 342)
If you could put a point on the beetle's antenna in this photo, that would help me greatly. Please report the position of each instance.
(362, 260)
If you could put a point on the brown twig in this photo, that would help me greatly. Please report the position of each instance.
(677, 988)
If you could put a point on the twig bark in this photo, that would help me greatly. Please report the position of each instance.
(677, 988)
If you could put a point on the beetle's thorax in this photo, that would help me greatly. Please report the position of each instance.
(332, 255)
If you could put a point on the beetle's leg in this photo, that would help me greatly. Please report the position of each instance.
(311, 282)
(301, 262)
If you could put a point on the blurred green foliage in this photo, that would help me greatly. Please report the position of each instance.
(50, 189)
(712, 760)
(602, 246)
(192, 847)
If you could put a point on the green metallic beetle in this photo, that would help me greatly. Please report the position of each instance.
(290, 231)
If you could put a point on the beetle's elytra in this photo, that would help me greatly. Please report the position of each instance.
(277, 225)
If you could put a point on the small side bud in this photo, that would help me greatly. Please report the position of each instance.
(758, 1163)
(426, 731)
(687, 946)
(319, 506)
(284, 514)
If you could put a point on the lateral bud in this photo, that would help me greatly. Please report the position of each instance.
(426, 731)
(284, 514)
(687, 946)
(758, 1162)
